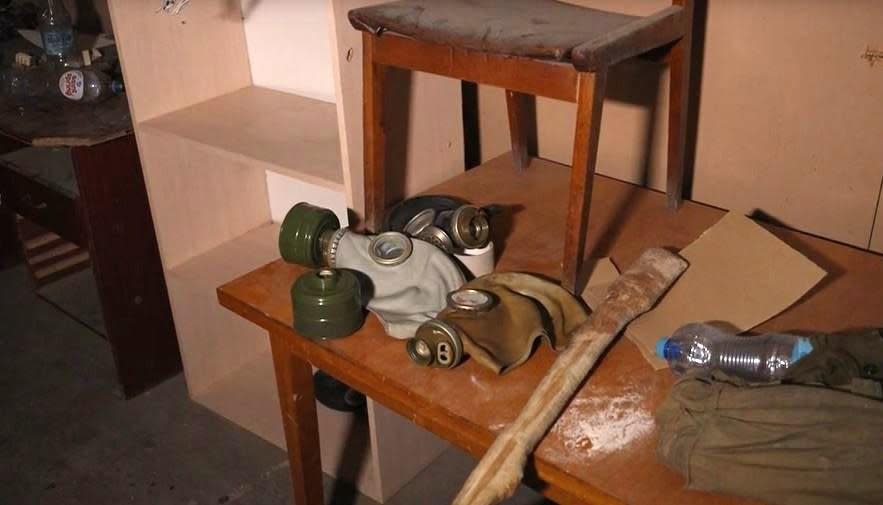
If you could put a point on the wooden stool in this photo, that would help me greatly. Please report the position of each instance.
(528, 47)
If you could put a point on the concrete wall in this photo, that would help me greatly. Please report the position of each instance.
(790, 121)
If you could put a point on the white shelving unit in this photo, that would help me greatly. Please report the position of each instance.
(223, 157)
(281, 132)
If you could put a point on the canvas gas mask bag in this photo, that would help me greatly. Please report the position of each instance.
(496, 320)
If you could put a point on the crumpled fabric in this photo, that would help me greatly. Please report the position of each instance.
(528, 308)
(837, 360)
(405, 295)
(786, 444)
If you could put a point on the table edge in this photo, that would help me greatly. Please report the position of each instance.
(540, 475)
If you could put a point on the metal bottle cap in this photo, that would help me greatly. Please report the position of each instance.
(470, 228)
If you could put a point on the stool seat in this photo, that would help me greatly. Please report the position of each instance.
(542, 29)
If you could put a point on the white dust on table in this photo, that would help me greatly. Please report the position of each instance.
(498, 427)
(601, 424)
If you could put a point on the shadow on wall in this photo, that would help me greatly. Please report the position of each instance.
(353, 454)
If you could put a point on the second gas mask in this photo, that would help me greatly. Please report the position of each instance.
(496, 319)
(405, 281)
(448, 223)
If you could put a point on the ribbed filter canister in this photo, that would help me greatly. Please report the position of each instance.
(327, 304)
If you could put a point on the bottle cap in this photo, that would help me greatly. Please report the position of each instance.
(801, 349)
(660, 347)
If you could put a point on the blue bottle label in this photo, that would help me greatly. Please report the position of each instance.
(58, 42)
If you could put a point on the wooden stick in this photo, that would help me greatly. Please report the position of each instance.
(633, 293)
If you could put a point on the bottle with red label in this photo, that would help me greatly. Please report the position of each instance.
(86, 85)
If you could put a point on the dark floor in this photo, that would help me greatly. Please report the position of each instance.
(67, 438)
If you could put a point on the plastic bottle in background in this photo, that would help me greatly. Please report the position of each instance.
(22, 84)
(57, 33)
(760, 358)
(87, 85)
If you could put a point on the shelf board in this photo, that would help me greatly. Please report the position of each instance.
(281, 132)
(231, 259)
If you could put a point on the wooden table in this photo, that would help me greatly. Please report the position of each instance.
(109, 215)
(467, 405)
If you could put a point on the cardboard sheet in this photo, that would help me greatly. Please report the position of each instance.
(604, 272)
(740, 275)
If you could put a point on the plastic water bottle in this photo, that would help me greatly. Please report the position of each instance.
(57, 33)
(18, 83)
(760, 358)
(87, 85)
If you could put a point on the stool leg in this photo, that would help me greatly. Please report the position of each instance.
(679, 88)
(374, 135)
(590, 100)
(520, 107)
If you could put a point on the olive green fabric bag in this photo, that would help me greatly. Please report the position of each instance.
(836, 360)
(786, 444)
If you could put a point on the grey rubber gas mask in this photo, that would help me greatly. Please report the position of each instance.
(496, 319)
(405, 281)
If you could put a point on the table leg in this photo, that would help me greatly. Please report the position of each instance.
(297, 402)
(8, 236)
(126, 262)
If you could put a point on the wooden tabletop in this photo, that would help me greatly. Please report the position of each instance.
(57, 124)
(580, 458)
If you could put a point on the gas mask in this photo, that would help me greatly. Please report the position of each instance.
(496, 319)
(448, 223)
(405, 281)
